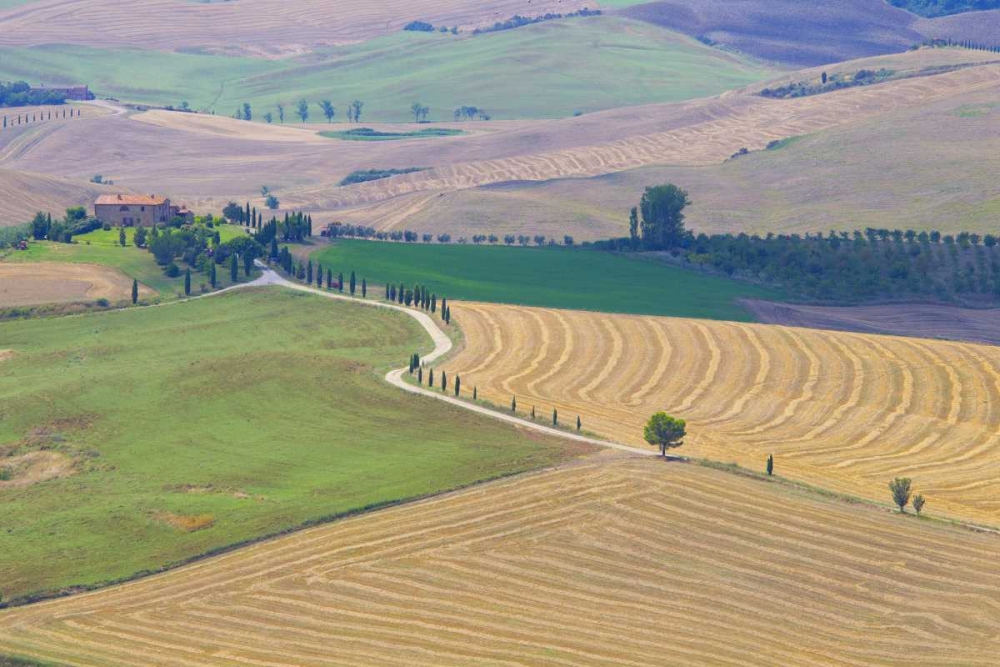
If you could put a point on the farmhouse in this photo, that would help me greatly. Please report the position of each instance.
(131, 210)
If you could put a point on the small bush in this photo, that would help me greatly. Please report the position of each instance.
(103, 303)
(172, 270)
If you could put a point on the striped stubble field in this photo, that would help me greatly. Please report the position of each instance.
(842, 411)
(628, 562)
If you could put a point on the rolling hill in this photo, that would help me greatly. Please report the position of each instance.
(807, 34)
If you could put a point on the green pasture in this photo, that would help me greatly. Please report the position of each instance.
(554, 277)
(550, 69)
(249, 414)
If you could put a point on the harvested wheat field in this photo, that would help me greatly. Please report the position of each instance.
(626, 562)
(842, 411)
(53, 282)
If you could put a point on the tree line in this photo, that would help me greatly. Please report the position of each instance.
(21, 94)
(345, 230)
(518, 21)
(839, 266)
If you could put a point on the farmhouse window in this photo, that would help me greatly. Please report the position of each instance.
(143, 208)
(123, 208)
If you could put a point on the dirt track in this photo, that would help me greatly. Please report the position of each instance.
(629, 563)
(842, 411)
(54, 282)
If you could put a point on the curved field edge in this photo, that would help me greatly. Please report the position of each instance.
(177, 424)
(840, 411)
(562, 567)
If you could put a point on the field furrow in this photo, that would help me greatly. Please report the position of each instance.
(626, 562)
(843, 411)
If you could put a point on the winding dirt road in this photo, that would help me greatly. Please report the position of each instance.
(442, 345)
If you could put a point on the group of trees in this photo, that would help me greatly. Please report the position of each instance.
(294, 227)
(424, 26)
(418, 297)
(20, 94)
(829, 83)
(419, 112)
(470, 113)
(837, 267)
(326, 108)
(344, 230)
(365, 175)
(75, 222)
(901, 489)
(518, 21)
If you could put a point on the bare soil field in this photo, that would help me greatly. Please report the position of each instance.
(628, 562)
(809, 34)
(842, 411)
(34, 467)
(264, 28)
(51, 282)
(918, 320)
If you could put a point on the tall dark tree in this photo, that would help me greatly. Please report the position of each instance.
(340, 282)
(329, 278)
(513, 403)
(770, 464)
(319, 275)
(212, 277)
(633, 227)
(444, 381)
(458, 385)
(234, 268)
(662, 208)
(364, 289)
(187, 282)
(309, 272)
(555, 417)
(135, 291)
(354, 283)
(579, 424)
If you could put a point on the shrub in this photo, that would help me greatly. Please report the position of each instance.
(172, 270)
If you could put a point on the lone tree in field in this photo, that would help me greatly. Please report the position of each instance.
(579, 424)
(354, 111)
(302, 110)
(662, 210)
(326, 106)
(770, 464)
(555, 417)
(513, 404)
(135, 291)
(900, 489)
(665, 432)
(918, 503)
(281, 113)
(475, 393)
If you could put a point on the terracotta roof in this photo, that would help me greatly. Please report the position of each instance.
(130, 200)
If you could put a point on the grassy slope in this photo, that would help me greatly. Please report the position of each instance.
(271, 394)
(572, 65)
(104, 249)
(577, 279)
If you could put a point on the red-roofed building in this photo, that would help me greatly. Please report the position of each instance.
(131, 210)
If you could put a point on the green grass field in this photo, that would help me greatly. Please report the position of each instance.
(129, 260)
(573, 278)
(572, 65)
(256, 412)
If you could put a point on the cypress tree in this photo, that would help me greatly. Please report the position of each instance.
(513, 404)
(444, 381)
(420, 375)
(211, 274)
(354, 283)
(329, 278)
(319, 277)
(475, 393)
(444, 305)
(447, 315)
(135, 291)
(555, 417)
(770, 464)
(187, 282)
(246, 216)
(430, 379)
(340, 282)
(309, 272)
(578, 423)
(364, 289)
(234, 268)
(532, 411)
(434, 303)
(458, 385)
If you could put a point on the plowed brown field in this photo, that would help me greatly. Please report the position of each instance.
(630, 563)
(53, 282)
(843, 411)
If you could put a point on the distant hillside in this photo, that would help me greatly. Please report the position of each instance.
(807, 34)
(931, 8)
